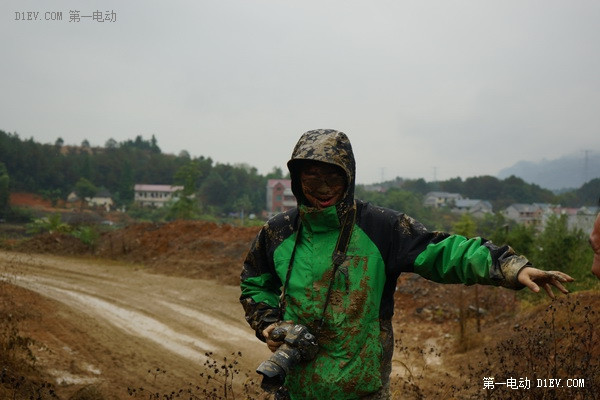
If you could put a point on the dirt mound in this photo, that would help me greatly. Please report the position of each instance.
(51, 243)
(194, 249)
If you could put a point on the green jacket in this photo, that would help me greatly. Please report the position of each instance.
(354, 357)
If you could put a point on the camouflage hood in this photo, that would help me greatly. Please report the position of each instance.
(329, 146)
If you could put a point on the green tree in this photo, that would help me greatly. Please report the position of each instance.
(417, 186)
(187, 176)
(559, 248)
(522, 238)
(85, 189)
(111, 144)
(276, 173)
(52, 194)
(185, 207)
(465, 226)
(242, 205)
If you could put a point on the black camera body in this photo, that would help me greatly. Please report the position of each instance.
(298, 345)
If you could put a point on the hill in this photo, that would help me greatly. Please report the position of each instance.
(567, 172)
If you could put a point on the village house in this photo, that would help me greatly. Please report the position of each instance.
(577, 218)
(475, 208)
(154, 195)
(538, 214)
(279, 196)
(525, 214)
(101, 199)
(441, 199)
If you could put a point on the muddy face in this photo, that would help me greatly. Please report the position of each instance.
(323, 184)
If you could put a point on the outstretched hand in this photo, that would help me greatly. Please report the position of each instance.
(533, 278)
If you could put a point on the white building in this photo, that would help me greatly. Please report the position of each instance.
(154, 195)
(101, 199)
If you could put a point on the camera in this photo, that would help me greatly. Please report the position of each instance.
(298, 345)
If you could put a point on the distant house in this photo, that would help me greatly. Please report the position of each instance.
(101, 199)
(279, 196)
(473, 207)
(72, 198)
(154, 195)
(441, 199)
(526, 214)
(577, 218)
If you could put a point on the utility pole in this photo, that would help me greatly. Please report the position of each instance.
(585, 165)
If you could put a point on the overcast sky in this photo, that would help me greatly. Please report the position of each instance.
(423, 88)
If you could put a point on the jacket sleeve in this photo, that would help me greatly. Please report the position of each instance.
(261, 287)
(456, 259)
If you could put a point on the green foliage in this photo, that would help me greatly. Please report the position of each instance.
(51, 223)
(149, 214)
(465, 226)
(19, 215)
(395, 198)
(588, 194)
(52, 194)
(88, 235)
(555, 248)
(277, 173)
(559, 248)
(184, 208)
(225, 184)
(85, 189)
(522, 238)
(53, 170)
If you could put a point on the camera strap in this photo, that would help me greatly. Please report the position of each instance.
(338, 257)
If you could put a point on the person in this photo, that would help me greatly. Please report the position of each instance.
(331, 264)
(595, 243)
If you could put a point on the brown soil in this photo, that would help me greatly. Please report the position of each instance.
(29, 200)
(148, 306)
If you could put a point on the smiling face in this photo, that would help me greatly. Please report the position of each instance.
(323, 184)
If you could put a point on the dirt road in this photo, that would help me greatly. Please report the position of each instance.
(117, 326)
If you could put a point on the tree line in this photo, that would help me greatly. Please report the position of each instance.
(55, 170)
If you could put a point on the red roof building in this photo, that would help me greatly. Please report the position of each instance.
(279, 196)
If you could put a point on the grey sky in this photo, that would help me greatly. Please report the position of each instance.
(423, 88)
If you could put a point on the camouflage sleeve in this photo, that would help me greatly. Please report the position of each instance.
(506, 265)
(260, 287)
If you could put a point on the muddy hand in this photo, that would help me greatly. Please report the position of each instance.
(273, 345)
(533, 278)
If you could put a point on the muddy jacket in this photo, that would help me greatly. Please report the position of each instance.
(354, 351)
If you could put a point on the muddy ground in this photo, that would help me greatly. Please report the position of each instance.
(152, 310)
